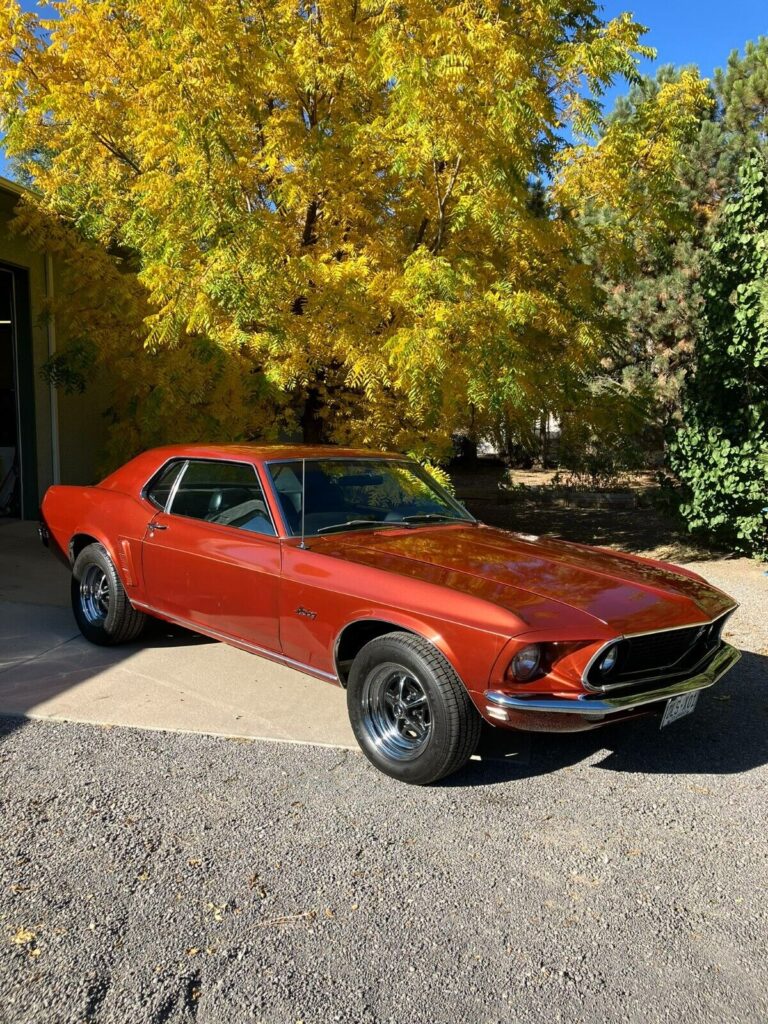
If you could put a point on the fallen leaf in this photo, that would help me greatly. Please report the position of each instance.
(217, 911)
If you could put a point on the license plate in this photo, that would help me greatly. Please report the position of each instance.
(678, 707)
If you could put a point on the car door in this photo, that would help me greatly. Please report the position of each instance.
(211, 555)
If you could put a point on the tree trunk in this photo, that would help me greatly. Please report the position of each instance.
(312, 424)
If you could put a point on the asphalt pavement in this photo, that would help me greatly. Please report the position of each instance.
(150, 877)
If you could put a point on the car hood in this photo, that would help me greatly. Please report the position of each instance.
(625, 593)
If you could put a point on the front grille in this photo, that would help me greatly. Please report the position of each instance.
(661, 650)
(650, 657)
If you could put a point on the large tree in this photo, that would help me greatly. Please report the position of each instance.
(347, 195)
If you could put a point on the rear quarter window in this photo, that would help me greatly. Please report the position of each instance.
(158, 490)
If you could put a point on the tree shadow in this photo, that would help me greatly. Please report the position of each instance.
(643, 529)
(727, 734)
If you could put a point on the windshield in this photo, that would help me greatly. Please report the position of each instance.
(353, 494)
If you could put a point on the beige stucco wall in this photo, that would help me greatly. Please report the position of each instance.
(82, 432)
(80, 425)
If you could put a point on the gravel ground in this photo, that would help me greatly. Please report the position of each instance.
(616, 876)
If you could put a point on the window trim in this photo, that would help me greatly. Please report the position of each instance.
(187, 461)
(157, 474)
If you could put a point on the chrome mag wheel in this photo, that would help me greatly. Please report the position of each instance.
(396, 712)
(94, 595)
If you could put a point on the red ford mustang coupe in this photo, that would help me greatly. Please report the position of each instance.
(358, 568)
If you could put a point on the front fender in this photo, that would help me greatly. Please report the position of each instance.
(470, 652)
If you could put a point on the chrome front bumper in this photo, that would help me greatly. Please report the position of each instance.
(498, 704)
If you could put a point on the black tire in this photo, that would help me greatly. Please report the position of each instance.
(102, 610)
(410, 712)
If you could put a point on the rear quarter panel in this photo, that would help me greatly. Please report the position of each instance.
(117, 521)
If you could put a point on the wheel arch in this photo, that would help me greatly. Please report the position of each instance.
(81, 539)
(352, 637)
(78, 542)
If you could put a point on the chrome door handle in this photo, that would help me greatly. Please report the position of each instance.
(156, 526)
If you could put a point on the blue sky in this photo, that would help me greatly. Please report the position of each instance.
(701, 32)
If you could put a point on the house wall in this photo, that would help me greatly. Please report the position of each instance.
(15, 251)
(80, 429)
(81, 432)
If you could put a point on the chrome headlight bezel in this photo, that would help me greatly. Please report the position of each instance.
(526, 663)
(608, 660)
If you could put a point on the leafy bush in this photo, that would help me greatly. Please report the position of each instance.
(720, 453)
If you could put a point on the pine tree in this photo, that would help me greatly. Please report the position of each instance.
(657, 297)
(742, 87)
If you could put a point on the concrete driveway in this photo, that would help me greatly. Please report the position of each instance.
(171, 679)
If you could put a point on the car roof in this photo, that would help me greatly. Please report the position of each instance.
(137, 472)
(267, 451)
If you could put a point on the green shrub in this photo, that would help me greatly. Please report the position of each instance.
(720, 453)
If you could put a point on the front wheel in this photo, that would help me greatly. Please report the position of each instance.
(409, 711)
(100, 604)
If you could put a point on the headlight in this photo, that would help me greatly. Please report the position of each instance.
(525, 663)
(607, 661)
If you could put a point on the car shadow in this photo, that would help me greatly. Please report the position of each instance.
(157, 633)
(727, 734)
(39, 666)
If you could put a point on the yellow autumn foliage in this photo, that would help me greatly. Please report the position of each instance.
(350, 217)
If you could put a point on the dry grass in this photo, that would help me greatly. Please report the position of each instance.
(541, 477)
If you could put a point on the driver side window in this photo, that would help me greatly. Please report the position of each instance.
(225, 493)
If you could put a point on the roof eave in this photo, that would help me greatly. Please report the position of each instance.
(6, 185)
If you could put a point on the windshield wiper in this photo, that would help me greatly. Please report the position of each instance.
(423, 517)
(359, 522)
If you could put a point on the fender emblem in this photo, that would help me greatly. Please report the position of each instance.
(301, 610)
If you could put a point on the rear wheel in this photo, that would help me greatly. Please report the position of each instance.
(410, 712)
(102, 610)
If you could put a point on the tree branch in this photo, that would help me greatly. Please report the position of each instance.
(116, 152)
(308, 236)
(442, 200)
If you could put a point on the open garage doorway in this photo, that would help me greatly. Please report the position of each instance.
(18, 489)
